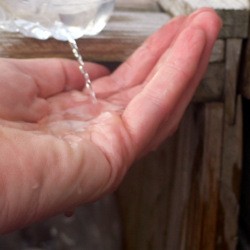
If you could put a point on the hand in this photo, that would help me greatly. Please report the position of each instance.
(59, 150)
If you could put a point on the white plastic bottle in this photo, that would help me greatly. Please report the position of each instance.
(42, 19)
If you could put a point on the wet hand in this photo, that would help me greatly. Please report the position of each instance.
(59, 150)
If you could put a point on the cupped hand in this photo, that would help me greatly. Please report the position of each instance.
(59, 149)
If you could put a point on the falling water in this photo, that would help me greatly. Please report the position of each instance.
(78, 56)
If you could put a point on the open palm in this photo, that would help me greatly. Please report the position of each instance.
(59, 149)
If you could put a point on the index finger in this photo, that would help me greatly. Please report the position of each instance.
(54, 75)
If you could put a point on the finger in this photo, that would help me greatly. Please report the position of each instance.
(53, 76)
(19, 125)
(136, 68)
(18, 95)
(212, 29)
(121, 95)
(25, 84)
(159, 98)
(193, 19)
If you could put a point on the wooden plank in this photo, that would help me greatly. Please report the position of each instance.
(235, 23)
(218, 54)
(154, 196)
(123, 34)
(230, 181)
(176, 7)
(212, 86)
(204, 202)
(143, 198)
(138, 5)
(235, 14)
(210, 179)
(186, 6)
(187, 167)
(233, 56)
(222, 4)
(170, 199)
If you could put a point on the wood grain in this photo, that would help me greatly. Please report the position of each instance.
(235, 14)
(212, 86)
(170, 200)
(195, 4)
(141, 5)
(230, 181)
(233, 57)
(125, 32)
(155, 195)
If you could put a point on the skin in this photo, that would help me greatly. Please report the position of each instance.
(59, 150)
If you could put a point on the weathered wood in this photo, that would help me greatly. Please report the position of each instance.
(212, 86)
(222, 4)
(154, 195)
(186, 183)
(138, 5)
(235, 14)
(123, 34)
(218, 54)
(187, 5)
(176, 202)
(233, 56)
(235, 23)
(230, 181)
(176, 7)
(203, 211)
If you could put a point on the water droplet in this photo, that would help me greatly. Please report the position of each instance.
(35, 186)
(79, 190)
(53, 232)
(72, 140)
